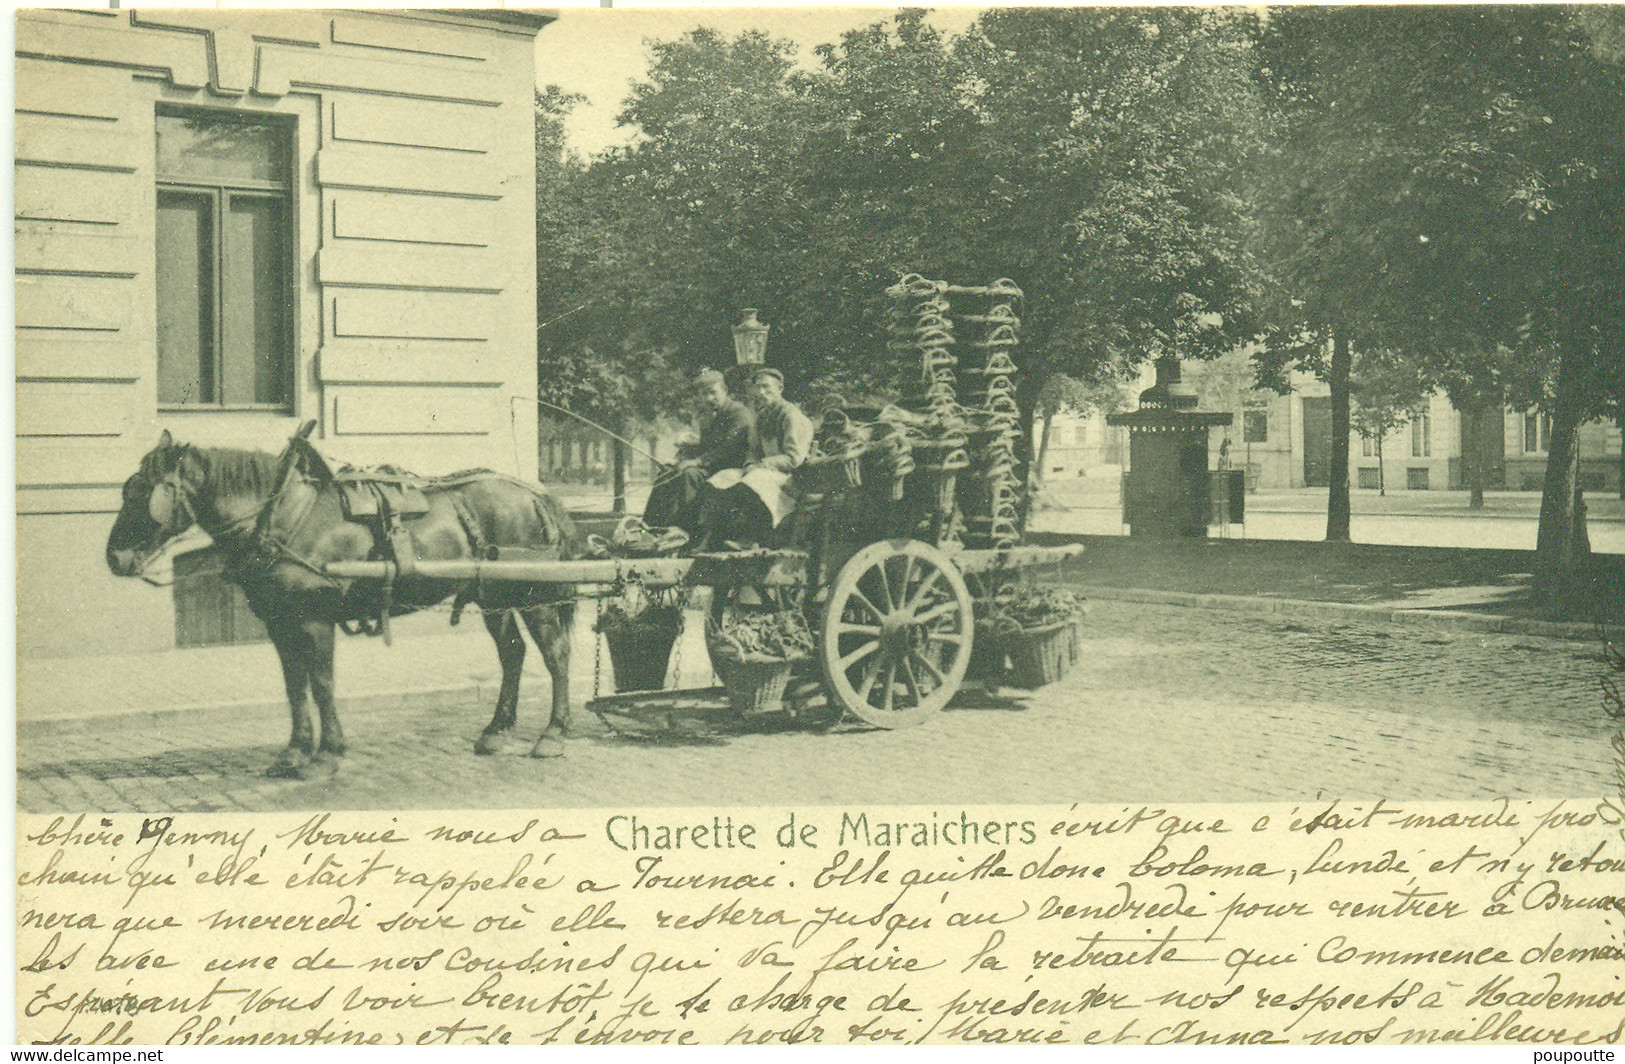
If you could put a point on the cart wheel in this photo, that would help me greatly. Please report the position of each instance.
(896, 633)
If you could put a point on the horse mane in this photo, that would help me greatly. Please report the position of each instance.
(238, 472)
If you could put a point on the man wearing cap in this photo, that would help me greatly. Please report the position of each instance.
(746, 504)
(725, 426)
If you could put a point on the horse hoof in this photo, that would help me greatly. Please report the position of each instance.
(324, 766)
(548, 746)
(493, 743)
(290, 765)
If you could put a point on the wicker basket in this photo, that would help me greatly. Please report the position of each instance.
(1041, 656)
(753, 686)
(640, 650)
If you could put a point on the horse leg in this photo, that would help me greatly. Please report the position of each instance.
(319, 635)
(511, 653)
(551, 630)
(291, 648)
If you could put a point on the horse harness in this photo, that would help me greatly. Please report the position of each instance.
(383, 500)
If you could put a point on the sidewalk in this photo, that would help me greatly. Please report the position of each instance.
(430, 664)
(1098, 493)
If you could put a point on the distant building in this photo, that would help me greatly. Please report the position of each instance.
(1284, 441)
(1524, 439)
(229, 222)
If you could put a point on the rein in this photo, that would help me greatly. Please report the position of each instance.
(266, 546)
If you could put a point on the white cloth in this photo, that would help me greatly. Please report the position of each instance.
(772, 486)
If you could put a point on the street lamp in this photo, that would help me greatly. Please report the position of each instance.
(750, 340)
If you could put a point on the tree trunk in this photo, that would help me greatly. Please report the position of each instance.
(1558, 557)
(1475, 457)
(620, 477)
(1337, 494)
(1027, 389)
(1382, 474)
(1043, 454)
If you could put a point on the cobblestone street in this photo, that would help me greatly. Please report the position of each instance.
(1169, 703)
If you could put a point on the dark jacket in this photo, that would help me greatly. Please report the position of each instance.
(724, 438)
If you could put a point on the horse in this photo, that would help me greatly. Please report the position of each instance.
(278, 521)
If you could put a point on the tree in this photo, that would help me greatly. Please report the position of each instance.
(1062, 393)
(1481, 384)
(1385, 391)
(1332, 214)
(592, 360)
(1454, 175)
(1112, 140)
(1097, 184)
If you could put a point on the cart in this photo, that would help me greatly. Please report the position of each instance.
(906, 529)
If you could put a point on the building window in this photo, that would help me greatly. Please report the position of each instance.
(1422, 434)
(225, 239)
(1255, 426)
(1368, 447)
(1537, 432)
(1370, 478)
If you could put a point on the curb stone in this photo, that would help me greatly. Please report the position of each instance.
(1456, 619)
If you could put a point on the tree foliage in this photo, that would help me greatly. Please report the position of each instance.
(1459, 193)
(1096, 183)
(1446, 185)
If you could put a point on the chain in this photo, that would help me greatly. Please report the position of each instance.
(597, 647)
(680, 599)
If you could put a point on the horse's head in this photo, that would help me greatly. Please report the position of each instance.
(157, 508)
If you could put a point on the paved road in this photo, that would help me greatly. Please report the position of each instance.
(1170, 703)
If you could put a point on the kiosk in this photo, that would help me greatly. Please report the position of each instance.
(1166, 491)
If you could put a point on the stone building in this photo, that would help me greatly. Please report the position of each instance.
(229, 222)
(1284, 441)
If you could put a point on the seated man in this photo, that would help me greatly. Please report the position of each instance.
(724, 443)
(745, 505)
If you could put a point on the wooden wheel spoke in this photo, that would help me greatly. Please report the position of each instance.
(932, 669)
(848, 628)
(858, 655)
(908, 574)
(863, 600)
(869, 678)
(938, 611)
(912, 681)
(891, 685)
(885, 587)
(946, 637)
(923, 590)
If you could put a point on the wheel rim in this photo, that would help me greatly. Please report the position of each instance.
(896, 634)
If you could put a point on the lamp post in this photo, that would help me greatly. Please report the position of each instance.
(750, 340)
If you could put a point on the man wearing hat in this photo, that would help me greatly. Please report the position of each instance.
(725, 427)
(746, 504)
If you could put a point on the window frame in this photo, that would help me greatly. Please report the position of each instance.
(1422, 434)
(221, 193)
(1537, 425)
(1251, 417)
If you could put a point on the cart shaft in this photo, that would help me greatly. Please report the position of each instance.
(764, 570)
